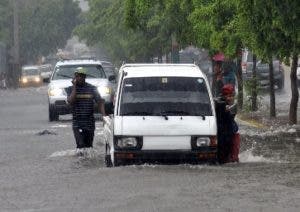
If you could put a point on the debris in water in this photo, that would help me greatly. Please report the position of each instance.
(46, 132)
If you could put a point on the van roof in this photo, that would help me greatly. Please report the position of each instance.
(159, 69)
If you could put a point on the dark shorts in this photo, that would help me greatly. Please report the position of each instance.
(84, 137)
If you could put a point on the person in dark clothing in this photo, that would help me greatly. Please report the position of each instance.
(227, 127)
(82, 97)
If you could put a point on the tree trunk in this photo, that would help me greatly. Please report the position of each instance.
(159, 56)
(254, 87)
(175, 50)
(295, 93)
(272, 92)
(239, 76)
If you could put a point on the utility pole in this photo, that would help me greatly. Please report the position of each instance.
(16, 45)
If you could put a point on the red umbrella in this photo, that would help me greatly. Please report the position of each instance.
(218, 57)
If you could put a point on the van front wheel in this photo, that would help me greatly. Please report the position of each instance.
(108, 162)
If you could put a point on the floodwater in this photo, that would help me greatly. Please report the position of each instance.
(40, 169)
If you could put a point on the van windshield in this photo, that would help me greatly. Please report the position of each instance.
(154, 96)
(67, 71)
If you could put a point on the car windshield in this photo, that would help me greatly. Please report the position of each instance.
(67, 71)
(153, 96)
(28, 72)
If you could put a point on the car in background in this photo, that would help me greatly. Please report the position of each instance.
(109, 68)
(46, 71)
(262, 71)
(30, 76)
(61, 79)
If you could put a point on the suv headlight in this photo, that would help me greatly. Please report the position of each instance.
(128, 142)
(104, 90)
(55, 91)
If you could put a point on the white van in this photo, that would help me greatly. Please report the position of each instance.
(162, 112)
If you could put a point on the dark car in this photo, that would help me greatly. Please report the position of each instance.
(262, 71)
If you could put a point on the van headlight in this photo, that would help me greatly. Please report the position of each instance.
(104, 90)
(55, 91)
(203, 141)
(128, 143)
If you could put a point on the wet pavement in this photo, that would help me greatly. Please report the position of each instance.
(40, 169)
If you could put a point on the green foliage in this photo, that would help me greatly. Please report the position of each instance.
(249, 88)
(104, 25)
(270, 27)
(214, 22)
(159, 21)
(45, 26)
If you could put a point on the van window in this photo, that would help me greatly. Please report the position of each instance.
(186, 96)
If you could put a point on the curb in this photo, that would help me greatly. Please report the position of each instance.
(250, 123)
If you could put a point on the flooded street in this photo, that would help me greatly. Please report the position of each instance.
(41, 172)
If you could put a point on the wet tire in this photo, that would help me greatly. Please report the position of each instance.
(107, 159)
(53, 116)
(108, 162)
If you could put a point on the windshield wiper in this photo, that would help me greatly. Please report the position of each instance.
(163, 114)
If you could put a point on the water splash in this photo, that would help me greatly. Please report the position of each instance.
(84, 152)
(248, 157)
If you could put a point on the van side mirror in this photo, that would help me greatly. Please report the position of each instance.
(112, 78)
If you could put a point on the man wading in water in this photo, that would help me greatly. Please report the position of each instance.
(82, 97)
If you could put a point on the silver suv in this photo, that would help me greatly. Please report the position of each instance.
(61, 79)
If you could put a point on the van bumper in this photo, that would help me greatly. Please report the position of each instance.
(207, 154)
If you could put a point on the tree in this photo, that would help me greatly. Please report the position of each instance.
(272, 31)
(215, 26)
(6, 16)
(162, 22)
(287, 22)
(104, 25)
(46, 26)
